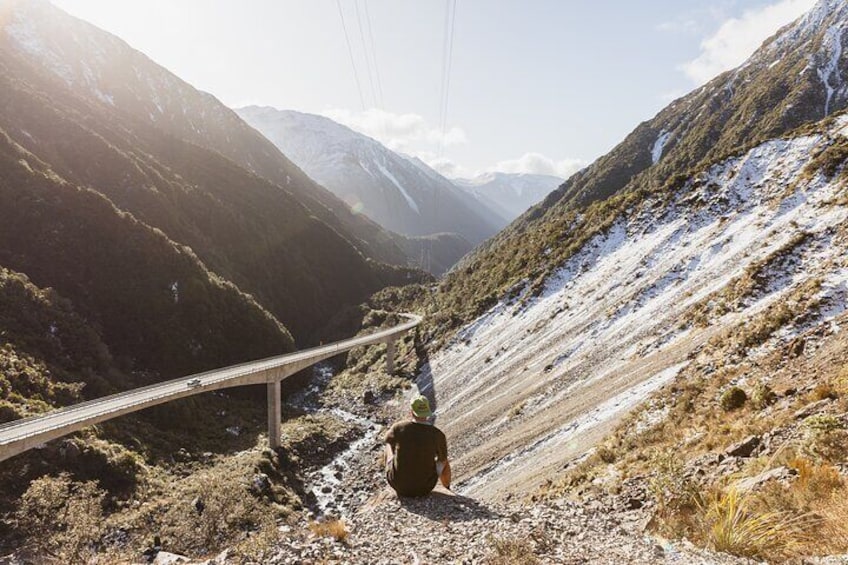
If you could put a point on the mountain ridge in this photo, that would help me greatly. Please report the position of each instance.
(376, 181)
(244, 227)
(730, 114)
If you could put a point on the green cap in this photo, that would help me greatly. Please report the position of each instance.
(421, 407)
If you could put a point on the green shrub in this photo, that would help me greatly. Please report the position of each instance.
(762, 396)
(733, 399)
(8, 412)
(826, 437)
(675, 495)
(64, 518)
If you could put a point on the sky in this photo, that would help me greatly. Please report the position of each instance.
(533, 86)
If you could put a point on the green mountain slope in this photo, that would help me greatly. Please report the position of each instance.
(158, 308)
(103, 116)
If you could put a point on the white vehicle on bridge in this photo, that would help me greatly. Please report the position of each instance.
(193, 383)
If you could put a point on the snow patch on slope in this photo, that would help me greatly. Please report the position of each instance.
(659, 145)
(830, 75)
(606, 411)
(613, 314)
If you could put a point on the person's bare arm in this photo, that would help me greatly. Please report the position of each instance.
(442, 464)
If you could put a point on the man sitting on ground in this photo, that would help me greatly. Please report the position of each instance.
(417, 453)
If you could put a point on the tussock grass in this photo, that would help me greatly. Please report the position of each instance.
(730, 525)
(259, 545)
(806, 507)
(336, 529)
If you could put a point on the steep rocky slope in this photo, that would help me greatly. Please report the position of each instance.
(536, 381)
(372, 179)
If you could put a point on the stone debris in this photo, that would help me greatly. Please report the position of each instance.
(744, 448)
(448, 528)
(812, 408)
(167, 558)
(754, 483)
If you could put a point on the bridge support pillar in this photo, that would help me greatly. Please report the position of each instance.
(390, 357)
(275, 414)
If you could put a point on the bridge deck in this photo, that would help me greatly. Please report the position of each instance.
(20, 435)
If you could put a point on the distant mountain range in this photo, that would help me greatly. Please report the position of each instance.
(509, 194)
(405, 197)
(441, 220)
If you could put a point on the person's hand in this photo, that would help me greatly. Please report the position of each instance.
(445, 474)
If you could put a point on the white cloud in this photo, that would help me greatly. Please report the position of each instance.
(399, 132)
(447, 168)
(411, 134)
(682, 25)
(738, 38)
(539, 164)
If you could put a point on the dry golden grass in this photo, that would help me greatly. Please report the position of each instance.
(336, 529)
(729, 524)
(814, 505)
(824, 390)
(833, 529)
(807, 510)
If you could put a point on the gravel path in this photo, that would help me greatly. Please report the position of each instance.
(449, 528)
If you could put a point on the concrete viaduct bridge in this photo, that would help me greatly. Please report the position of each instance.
(20, 435)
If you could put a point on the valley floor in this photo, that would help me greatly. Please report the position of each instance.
(357, 518)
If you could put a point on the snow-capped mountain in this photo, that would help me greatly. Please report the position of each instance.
(510, 194)
(372, 179)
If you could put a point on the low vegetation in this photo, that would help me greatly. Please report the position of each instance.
(224, 491)
(511, 551)
(750, 285)
(782, 498)
(730, 525)
(65, 517)
(733, 398)
(335, 529)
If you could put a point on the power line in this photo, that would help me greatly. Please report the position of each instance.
(350, 52)
(374, 53)
(447, 64)
(447, 57)
(365, 51)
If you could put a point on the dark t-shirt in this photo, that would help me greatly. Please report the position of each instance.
(416, 446)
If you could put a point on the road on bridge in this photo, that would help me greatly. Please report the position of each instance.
(20, 435)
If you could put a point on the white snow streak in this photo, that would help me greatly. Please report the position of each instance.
(659, 145)
(832, 41)
(407, 197)
(602, 413)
